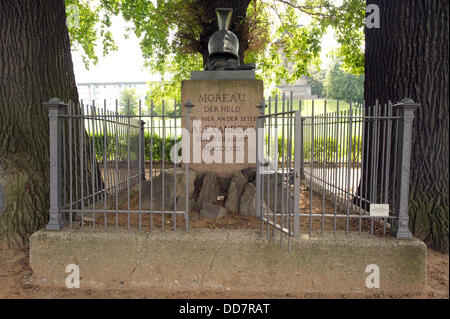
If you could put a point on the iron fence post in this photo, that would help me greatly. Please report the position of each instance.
(188, 105)
(55, 109)
(259, 154)
(405, 110)
(142, 149)
(259, 127)
(300, 143)
(298, 171)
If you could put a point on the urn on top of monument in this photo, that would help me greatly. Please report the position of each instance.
(223, 45)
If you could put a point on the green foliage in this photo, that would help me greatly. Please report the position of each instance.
(322, 146)
(356, 153)
(170, 32)
(316, 80)
(129, 103)
(99, 142)
(333, 150)
(341, 85)
(89, 23)
(301, 44)
(289, 50)
(158, 106)
(279, 146)
(167, 29)
(156, 152)
(111, 151)
(347, 22)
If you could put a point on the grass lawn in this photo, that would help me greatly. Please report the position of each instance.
(307, 106)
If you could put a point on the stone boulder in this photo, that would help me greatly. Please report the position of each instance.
(250, 173)
(212, 211)
(238, 182)
(225, 184)
(198, 182)
(247, 205)
(172, 185)
(209, 191)
(181, 189)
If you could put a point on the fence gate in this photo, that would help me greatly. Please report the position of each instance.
(278, 171)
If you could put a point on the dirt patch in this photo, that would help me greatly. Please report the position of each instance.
(437, 274)
(15, 273)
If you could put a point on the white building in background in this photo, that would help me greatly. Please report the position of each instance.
(109, 92)
(301, 89)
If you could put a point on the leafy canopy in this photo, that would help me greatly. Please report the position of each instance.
(316, 80)
(88, 24)
(129, 102)
(170, 33)
(344, 86)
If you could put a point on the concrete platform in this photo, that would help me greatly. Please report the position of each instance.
(228, 260)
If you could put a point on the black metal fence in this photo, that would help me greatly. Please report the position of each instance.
(328, 171)
(322, 166)
(111, 170)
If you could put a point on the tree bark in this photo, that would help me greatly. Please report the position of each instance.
(35, 65)
(408, 57)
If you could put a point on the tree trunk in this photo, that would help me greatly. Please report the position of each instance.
(238, 24)
(35, 65)
(408, 57)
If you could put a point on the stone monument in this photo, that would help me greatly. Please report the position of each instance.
(225, 96)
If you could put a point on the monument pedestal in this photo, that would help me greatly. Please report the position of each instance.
(222, 100)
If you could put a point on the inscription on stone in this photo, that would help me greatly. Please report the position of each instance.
(222, 105)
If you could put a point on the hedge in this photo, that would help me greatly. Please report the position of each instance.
(122, 150)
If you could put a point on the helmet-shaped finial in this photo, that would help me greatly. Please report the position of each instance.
(224, 42)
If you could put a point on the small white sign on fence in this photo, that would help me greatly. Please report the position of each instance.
(379, 210)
